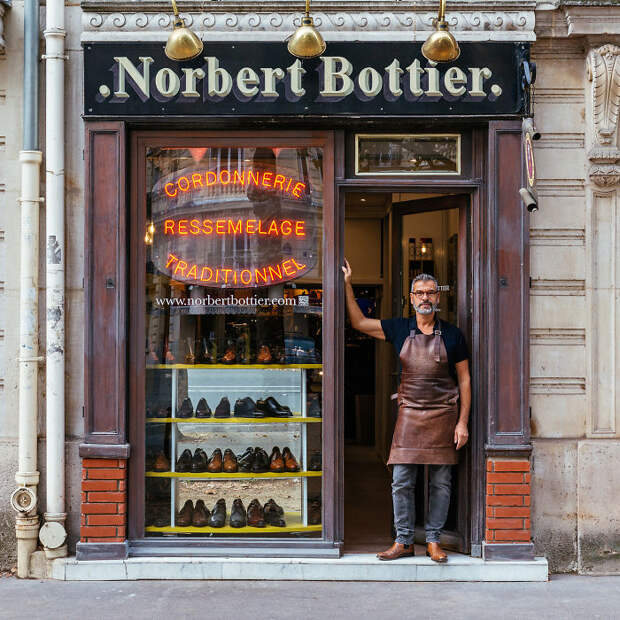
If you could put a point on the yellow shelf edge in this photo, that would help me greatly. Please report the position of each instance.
(236, 366)
(234, 530)
(226, 475)
(234, 420)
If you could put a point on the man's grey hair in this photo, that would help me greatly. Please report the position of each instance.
(424, 277)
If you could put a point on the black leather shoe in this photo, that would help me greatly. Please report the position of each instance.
(199, 461)
(186, 410)
(277, 405)
(223, 409)
(245, 460)
(246, 408)
(184, 463)
(273, 514)
(238, 517)
(271, 409)
(260, 462)
(218, 515)
(202, 409)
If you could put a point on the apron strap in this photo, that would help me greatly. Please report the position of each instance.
(437, 352)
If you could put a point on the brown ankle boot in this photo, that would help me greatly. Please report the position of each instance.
(397, 550)
(436, 553)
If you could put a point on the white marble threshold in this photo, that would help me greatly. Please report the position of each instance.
(350, 567)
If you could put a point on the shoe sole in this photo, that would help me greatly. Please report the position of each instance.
(404, 555)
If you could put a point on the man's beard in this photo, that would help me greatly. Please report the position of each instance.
(427, 309)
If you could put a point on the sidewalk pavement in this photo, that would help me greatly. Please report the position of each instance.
(565, 596)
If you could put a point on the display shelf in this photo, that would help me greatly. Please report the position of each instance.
(294, 523)
(234, 366)
(233, 476)
(233, 420)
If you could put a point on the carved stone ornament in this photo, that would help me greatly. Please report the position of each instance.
(603, 67)
(2, 41)
(220, 24)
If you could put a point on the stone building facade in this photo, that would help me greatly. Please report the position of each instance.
(574, 249)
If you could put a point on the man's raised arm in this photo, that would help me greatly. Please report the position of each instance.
(371, 327)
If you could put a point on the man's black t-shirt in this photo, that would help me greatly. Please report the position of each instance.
(397, 330)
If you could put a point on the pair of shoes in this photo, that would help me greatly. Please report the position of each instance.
(197, 516)
(219, 462)
(273, 514)
(316, 462)
(280, 462)
(223, 409)
(253, 460)
(186, 410)
(397, 550)
(273, 409)
(436, 553)
(246, 408)
(229, 356)
(264, 355)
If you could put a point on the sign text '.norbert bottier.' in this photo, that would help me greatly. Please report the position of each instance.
(262, 78)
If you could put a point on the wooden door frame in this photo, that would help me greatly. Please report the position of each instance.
(328, 545)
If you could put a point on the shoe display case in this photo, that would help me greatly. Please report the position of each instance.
(236, 428)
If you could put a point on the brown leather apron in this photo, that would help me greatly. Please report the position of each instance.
(427, 403)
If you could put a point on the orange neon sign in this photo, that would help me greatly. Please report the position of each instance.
(257, 276)
(258, 178)
(237, 226)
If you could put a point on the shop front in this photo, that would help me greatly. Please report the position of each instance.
(229, 409)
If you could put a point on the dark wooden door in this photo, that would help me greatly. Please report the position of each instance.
(457, 275)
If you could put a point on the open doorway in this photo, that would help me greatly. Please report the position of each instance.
(389, 239)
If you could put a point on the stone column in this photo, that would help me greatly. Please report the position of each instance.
(598, 477)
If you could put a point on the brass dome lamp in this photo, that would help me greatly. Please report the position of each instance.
(306, 41)
(182, 43)
(441, 46)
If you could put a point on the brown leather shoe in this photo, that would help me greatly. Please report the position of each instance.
(229, 357)
(276, 461)
(215, 462)
(201, 515)
(397, 550)
(256, 516)
(290, 462)
(230, 461)
(161, 463)
(436, 553)
(264, 355)
(184, 518)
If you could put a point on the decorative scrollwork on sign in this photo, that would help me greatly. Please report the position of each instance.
(603, 65)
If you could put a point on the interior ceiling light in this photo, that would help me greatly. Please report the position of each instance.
(182, 43)
(441, 46)
(306, 41)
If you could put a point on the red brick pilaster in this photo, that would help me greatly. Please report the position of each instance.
(508, 501)
(104, 500)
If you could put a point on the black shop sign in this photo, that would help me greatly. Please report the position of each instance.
(255, 79)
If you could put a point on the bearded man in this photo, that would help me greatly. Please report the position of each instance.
(434, 399)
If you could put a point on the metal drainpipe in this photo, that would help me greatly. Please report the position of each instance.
(53, 533)
(24, 498)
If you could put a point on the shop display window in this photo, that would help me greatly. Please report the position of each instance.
(233, 343)
(407, 154)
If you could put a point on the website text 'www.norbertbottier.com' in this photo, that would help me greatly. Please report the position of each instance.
(232, 301)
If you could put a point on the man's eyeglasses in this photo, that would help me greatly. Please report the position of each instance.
(422, 294)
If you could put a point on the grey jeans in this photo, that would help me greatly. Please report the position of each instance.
(403, 498)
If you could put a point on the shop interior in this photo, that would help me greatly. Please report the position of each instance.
(389, 239)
